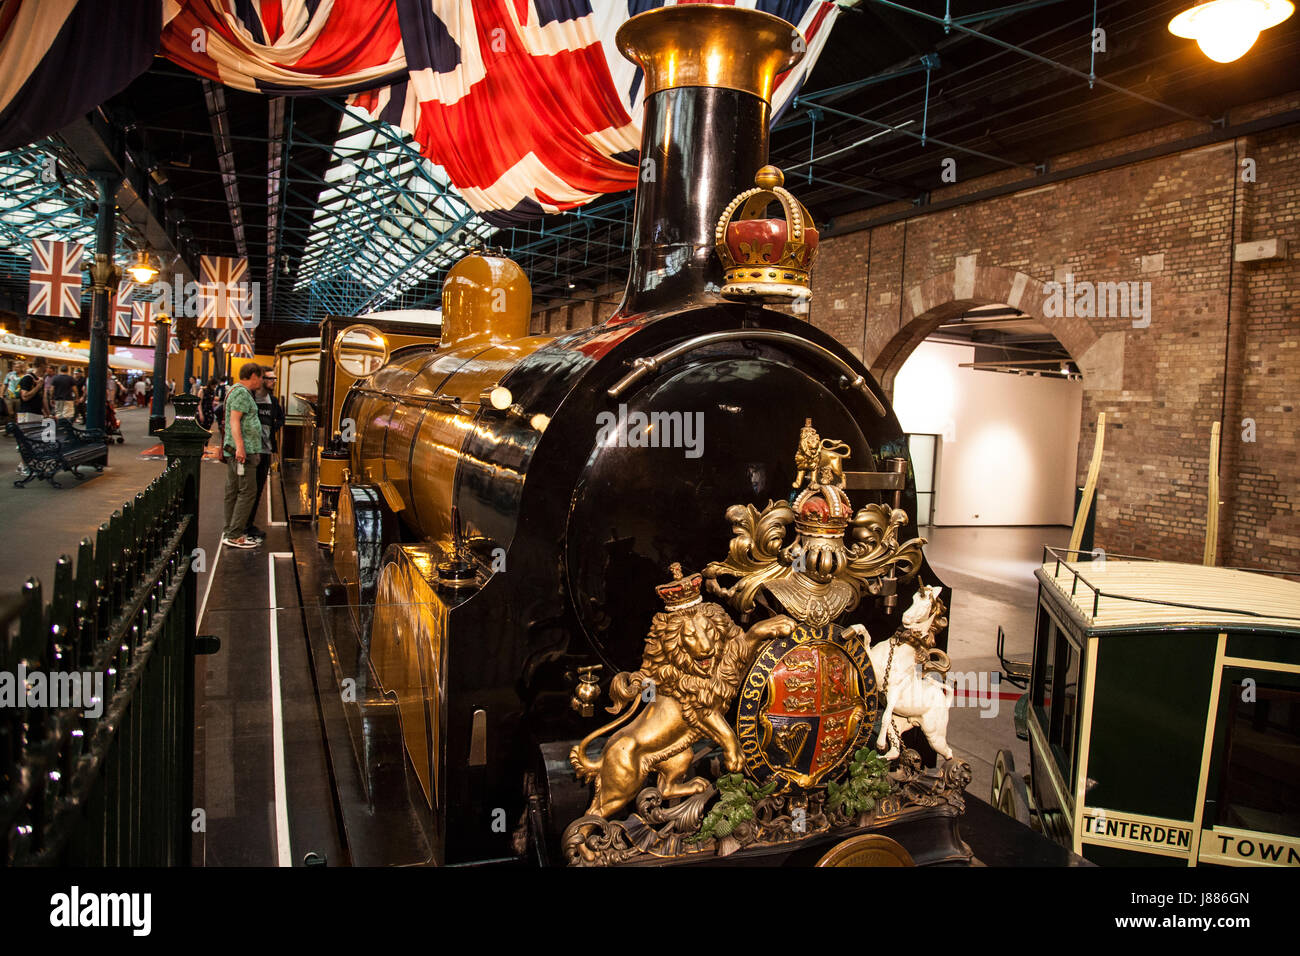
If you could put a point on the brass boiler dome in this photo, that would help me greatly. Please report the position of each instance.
(485, 299)
(414, 414)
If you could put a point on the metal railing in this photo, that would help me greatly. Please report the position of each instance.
(97, 686)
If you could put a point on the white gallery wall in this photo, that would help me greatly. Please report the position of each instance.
(1010, 442)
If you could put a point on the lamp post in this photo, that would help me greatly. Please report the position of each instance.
(103, 278)
(158, 405)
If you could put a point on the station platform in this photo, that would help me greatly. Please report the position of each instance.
(262, 777)
(41, 522)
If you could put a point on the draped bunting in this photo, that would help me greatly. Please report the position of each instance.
(288, 46)
(59, 59)
(527, 104)
(530, 107)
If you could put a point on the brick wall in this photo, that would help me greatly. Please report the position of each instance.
(1171, 221)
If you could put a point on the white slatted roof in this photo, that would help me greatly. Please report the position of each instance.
(1133, 593)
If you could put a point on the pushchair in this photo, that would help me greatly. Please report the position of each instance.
(112, 427)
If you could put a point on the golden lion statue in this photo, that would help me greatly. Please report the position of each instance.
(695, 659)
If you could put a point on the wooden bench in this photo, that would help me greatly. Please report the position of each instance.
(70, 450)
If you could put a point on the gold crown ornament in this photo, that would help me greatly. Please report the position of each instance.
(766, 260)
(682, 592)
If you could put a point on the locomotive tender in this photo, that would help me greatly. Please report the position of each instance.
(499, 534)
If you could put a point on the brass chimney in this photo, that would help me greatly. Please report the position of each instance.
(709, 73)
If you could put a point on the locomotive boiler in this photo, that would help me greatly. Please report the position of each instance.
(513, 500)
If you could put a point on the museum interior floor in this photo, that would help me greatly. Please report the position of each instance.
(991, 573)
(262, 777)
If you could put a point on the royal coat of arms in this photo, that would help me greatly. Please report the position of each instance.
(799, 755)
(808, 703)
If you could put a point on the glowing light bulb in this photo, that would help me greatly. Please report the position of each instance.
(1226, 29)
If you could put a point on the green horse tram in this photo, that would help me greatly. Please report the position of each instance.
(1162, 713)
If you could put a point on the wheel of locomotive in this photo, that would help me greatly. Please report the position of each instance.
(867, 849)
(1010, 795)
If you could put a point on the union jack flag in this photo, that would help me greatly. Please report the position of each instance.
(122, 311)
(237, 340)
(223, 291)
(56, 279)
(142, 324)
(448, 72)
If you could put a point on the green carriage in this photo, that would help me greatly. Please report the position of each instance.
(1162, 713)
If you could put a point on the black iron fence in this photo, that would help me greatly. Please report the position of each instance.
(97, 685)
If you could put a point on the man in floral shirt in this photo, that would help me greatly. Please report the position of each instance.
(242, 449)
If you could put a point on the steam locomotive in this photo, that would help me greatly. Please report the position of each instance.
(502, 523)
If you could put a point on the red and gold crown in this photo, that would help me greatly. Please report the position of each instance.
(682, 592)
(823, 512)
(766, 260)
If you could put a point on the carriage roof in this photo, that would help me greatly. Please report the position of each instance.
(1126, 594)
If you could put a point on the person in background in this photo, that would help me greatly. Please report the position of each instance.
(241, 449)
(63, 394)
(206, 394)
(219, 392)
(31, 401)
(79, 382)
(271, 417)
(10, 387)
(139, 390)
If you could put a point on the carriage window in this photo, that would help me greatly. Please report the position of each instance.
(1064, 731)
(1260, 787)
(1044, 658)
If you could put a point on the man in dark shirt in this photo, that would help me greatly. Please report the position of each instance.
(64, 394)
(31, 401)
(79, 387)
(31, 394)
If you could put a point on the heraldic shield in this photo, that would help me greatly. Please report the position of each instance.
(808, 703)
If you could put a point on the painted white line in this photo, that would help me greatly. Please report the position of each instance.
(212, 576)
(269, 492)
(285, 854)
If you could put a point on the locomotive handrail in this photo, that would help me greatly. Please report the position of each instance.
(642, 367)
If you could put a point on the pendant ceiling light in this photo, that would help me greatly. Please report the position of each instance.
(1226, 29)
(142, 270)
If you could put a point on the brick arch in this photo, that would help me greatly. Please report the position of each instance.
(947, 295)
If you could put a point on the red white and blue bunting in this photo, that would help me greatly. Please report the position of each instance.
(527, 104)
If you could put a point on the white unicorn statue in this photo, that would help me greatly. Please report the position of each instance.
(911, 698)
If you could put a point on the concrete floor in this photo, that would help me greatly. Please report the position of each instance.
(991, 573)
(41, 522)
